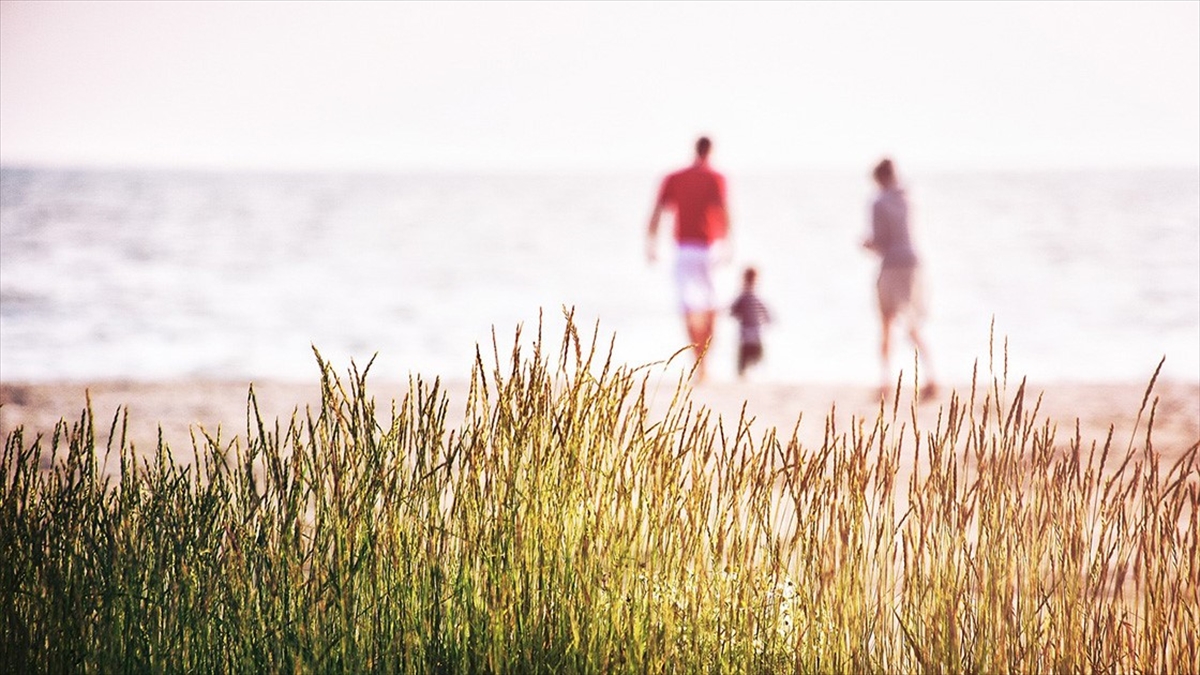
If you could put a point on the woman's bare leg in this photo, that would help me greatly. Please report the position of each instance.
(885, 362)
(930, 387)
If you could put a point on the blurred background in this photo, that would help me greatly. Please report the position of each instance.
(209, 190)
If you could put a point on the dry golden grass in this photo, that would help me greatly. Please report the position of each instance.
(569, 525)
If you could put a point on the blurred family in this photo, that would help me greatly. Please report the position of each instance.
(696, 195)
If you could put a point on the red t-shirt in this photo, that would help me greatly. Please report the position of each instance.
(697, 194)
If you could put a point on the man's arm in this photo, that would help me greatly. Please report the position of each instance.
(720, 212)
(723, 245)
(660, 205)
(652, 231)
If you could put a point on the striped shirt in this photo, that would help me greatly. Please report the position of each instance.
(751, 314)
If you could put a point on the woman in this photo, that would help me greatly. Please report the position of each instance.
(899, 286)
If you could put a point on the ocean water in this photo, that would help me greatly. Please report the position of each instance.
(144, 275)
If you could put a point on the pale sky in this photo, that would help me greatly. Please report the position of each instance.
(598, 86)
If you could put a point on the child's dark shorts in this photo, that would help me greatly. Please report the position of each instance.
(749, 353)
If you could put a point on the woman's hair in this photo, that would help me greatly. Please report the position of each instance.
(885, 172)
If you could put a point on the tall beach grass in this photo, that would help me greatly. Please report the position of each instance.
(563, 527)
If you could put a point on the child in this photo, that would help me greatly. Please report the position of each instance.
(751, 314)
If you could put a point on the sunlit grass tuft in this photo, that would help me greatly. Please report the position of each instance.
(563, 528)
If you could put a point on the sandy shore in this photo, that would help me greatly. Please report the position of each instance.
(182, 407)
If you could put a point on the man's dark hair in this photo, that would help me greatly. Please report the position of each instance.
(750, 275)
(703, 146)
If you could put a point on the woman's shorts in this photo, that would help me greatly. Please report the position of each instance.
(694, 278)
(901, 291)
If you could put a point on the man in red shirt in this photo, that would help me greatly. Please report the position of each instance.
(697, 196)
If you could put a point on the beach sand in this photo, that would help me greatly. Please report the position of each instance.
(182, 408)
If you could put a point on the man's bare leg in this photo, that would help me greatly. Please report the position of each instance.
(700, 332)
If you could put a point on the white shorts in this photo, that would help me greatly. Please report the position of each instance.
(901, 291)
(694, 278)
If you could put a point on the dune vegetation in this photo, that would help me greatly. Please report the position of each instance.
(564, 527)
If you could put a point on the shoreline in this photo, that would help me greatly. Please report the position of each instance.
(182, 407)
